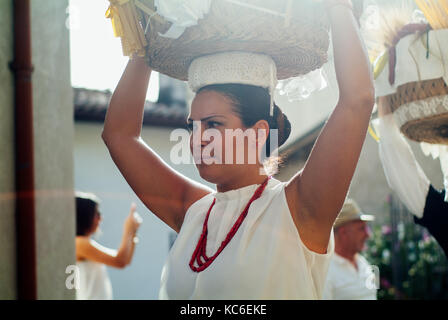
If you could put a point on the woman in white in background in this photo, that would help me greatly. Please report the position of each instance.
(91, 257)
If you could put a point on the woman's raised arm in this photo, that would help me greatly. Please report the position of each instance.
(163, 190)
(316, 194)
(86, 248)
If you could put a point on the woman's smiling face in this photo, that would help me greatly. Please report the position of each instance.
(215, 112)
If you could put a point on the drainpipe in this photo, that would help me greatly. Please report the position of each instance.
(24, 153)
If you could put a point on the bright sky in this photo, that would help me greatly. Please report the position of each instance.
(97, 61)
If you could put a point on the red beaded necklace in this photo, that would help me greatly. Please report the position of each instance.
(199, 256)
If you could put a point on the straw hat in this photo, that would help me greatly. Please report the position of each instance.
(234, 67)
(351, 212)
(293, 33)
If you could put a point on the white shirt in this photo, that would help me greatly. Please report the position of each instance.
(344, 282)
(266, 258)
(94, 282)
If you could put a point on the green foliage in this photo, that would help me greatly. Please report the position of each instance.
(411, 263)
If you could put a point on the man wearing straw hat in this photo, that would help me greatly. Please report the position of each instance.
(350, 274)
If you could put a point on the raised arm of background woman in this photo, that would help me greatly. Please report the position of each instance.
(316, 194)
(89, 249)
(163, 190)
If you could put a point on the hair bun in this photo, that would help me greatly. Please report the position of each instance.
(281, 123)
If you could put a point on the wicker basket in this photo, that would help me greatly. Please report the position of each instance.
(298, 41)
(421, 110)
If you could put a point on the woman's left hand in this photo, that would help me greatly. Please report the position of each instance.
(133, 221)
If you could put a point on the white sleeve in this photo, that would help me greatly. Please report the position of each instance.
(404, 175)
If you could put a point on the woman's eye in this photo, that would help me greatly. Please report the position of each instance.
(193, 126)
(213, 124)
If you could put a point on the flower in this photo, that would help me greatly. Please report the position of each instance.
(426, 236)
(386, 230)
(385, 283)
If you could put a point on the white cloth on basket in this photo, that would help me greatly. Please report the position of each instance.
(266, 258)
(182, 14)
(187, 13)
(403, 173)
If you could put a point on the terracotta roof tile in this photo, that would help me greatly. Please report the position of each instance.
(91, 105)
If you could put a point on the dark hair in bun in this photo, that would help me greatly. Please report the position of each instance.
(252, 103)
(86, 206)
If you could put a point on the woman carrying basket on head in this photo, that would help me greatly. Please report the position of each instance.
(255, 237)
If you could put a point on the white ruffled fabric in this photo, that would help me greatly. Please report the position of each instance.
(301, 88)
(182, 14)
(403, 173)
(441, 152)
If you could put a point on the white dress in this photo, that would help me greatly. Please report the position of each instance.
(266, 258)
(94, 282)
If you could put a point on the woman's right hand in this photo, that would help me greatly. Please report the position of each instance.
(133, 221)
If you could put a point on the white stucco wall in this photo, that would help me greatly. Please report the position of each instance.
(53, 138)
(369, 186)
(53, 142)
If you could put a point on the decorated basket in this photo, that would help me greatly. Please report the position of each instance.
(412, 74)
(293, 33)
(421, 110)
